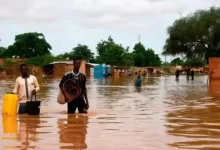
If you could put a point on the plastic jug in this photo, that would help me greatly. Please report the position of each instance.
(9, 124)
(10, 103)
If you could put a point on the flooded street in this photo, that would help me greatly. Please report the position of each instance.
(164, 115)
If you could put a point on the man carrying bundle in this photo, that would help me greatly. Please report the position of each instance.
(25, 86)
(79, 79)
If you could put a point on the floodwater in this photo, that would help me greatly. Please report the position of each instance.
(163, 115)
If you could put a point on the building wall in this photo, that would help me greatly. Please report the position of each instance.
(68, 67)
(148, 70)
(89, 71)
(214, 68)
(17, 60)
(83, 67)
(206, 69)
(214, 74)
(119, 72)
(60, 69)
(14, 70)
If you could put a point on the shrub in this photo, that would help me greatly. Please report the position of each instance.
(166, 69)
(9, 62)
(2, 68)
(41, 60)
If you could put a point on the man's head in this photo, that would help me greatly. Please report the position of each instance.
(139, 76)
(24, 70)
(76, 65)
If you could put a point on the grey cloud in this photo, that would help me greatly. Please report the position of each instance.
(95, 13)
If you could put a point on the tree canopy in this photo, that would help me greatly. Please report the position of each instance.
(143, 57)
(28, 45)
(195, 62)
(2, 51)
(195, 36)
(177, 61)
(82, 52)
(35, 47)
(78, 52)
(112, 53)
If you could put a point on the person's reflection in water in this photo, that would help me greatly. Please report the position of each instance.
(177, 74)
(73, 133)
(138, 89)
(27, 131)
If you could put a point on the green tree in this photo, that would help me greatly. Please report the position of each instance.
(196, 62)
(103, 46)
(127, 60)
(29, 45)
(177, 61)
(78, 52)
(65, 55)
(2, 52)
(113, 54)
(152, 59)
(143, 57)
(196, 35)
(139, 55)
(139, 48)
(82, 52)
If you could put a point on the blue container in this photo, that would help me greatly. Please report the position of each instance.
(98, 71)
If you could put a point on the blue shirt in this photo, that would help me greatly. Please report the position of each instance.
(138, 82)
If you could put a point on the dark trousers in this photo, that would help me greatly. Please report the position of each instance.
(177, 77)
(22, 109)
(187, 77)
(77, 103)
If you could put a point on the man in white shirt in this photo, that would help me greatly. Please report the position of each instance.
(26, 86)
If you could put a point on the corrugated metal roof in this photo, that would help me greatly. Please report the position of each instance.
(92, 64)
(71, 62)
(62, 62)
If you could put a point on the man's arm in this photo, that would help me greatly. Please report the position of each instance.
(63, 80)
(36, 85)
(135, 83)
(16, 88)
(61, 86)
(84, 92)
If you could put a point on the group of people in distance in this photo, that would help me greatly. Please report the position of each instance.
(27, 86)
(189, 73)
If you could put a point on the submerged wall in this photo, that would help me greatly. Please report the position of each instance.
(214, 72)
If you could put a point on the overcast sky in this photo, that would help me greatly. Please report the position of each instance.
(68, 22)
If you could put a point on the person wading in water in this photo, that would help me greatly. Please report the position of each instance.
(25, 86)
(177, 74)
(138, 82)
(192, 74)
(188, 73)
(81, 102)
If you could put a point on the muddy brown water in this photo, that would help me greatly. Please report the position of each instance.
(164, 115)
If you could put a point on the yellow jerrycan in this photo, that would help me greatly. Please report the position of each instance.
(9, 124)
(10, 103)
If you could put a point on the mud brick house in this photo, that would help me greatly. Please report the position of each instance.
(16, 60)
(58, 68)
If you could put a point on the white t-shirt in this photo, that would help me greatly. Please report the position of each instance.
(20, 88)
